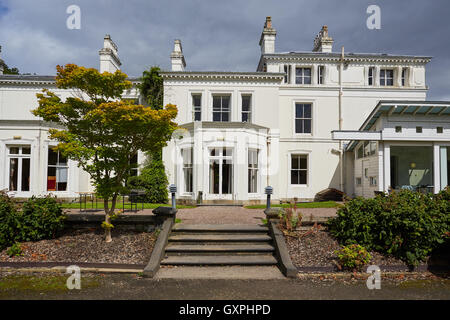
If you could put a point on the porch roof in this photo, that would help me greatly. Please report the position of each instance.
(388, 108)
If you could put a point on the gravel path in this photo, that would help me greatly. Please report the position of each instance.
(88, 245)
(221, 215)
(317, 249)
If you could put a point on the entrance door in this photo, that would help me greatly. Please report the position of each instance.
(19, 160)
(221, 173)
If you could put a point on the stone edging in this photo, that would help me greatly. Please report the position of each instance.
(159, 248)
(284, 260)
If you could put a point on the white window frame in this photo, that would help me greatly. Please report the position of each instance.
(253, 169)
(371, 76)
(385, 83)
(189, 166)
(308, 169)
(194, 108)
(303, 76)
(321, 74)
(49, 146)
(20, 156)
(295, 118)
(249, 112)
(230, 105)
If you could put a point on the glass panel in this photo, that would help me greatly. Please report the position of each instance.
(307, 126)
(216, 116)
(227, 180)
(227, 152)
(196, 99)
(226, 103)
(303, 163)
(294, 176)
(51, 179)
(298, 126)
(13, 173)
(246, 103)
(52, 156)
(295, 162)
(225, 116)
(298, 110)
(14, 150)
(188, 179)
(213, 152)
(307, 72)
(214, 177)
(198, 116)
(26, 150)
(216, 102)
(307, 110)
(302, 177)
(26, 174)
(245, 117)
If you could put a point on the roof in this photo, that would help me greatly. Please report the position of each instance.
(348, 56)
(223, 125)
(41, 79)
(278, 76)
(403, 107)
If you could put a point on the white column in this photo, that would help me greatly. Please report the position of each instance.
(398, 76)
(314, 75)
(380, 166)
(444, 168)
(436, 168)
(377, 76)
(292, 73)
(387, 166)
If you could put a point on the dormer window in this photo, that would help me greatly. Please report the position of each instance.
(303, 75)
(386, 77)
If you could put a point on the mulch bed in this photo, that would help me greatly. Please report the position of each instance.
(88, 245)
(316, 249)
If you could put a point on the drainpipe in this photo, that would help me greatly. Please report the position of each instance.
(341, 171)
(268, 157)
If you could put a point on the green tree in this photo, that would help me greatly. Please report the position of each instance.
(151, 88)
(7, 70)
(101, 131)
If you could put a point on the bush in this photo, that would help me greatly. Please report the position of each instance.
(8, 221)
(14, 250)
(153, 180)
(40, 218)
(406, 224)
(353, 257)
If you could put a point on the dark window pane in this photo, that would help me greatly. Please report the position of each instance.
(307, 80)
(197, 116)
(216, 102)
(307, 126)
(246, 102)
(13, 168)
(298, 126)
(307, 72)
(62, 186)
(14, 150)
(302, 178)
(216, 116)
(225, 102)
(225, 116)
(298, 71)
(294, 176)
(295, 162)
(25, 174)
(63, 160)
(197, 100)
(52, 156)
(303, 163)
(298, 110)
(244, 117)
(307, 110)
(26, 150)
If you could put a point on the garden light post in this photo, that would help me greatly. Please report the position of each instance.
(268, 190)
(173, 190)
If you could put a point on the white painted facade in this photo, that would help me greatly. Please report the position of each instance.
(285, 140)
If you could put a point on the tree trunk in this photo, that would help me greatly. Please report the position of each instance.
(108, 237)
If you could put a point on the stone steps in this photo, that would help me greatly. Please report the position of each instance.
(212, 245)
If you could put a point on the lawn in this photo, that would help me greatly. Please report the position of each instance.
(324, 204)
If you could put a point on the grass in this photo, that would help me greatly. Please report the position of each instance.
(324, 204)
(119, 205)
(43, 283)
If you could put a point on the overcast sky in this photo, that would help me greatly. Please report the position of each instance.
(219, 35)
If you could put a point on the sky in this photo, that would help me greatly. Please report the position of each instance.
(219, 35)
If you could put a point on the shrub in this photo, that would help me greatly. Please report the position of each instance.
(406, 224)
(290, 218)
(14, 250)
(353, 257)
(8, 221)
(41, 218)
(153, 180)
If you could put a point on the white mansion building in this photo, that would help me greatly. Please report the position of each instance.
(301, 123)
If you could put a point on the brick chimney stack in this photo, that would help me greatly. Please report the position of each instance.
(268, 35)
(323, 42)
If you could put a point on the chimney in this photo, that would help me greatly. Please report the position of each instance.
(267, 41)
(1, 61)
(109, 60)
(322, 42)
(177, 57)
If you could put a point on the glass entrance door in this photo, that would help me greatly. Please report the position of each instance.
(19, 159)
(221, 171)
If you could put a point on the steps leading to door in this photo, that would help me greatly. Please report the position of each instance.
(219, 245)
